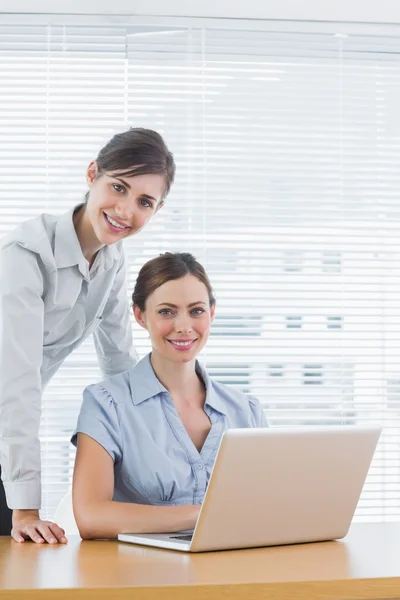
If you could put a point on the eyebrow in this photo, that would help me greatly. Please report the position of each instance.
(175, 306)
(126, 184)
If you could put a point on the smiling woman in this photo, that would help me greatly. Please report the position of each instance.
(147, 438)
(116, 208)
(127, 185)
(62, 279)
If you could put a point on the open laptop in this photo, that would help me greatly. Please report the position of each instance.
(278, 486)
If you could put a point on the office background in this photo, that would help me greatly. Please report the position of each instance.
(286, 135)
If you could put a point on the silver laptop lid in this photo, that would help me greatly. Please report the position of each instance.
(279, 486)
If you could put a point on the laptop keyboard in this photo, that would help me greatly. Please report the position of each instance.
(186, 538)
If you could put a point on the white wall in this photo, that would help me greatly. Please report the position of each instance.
(378, 11)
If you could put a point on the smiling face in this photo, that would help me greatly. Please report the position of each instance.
(120, 206)
(178, 317)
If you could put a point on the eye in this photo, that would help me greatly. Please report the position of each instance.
(146, 203)
(119, 188)
(165, 312)
(197, 311)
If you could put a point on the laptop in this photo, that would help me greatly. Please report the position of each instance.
(274, 486)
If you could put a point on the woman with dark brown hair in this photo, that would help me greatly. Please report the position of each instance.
(147, 438)
(63, 278)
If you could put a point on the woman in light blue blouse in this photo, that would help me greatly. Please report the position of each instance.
(147, 438)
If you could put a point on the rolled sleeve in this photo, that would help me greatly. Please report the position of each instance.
(21, 352)
(113, 337)
(98, 419)
(257, 412)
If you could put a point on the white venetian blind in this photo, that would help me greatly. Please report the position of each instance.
(287, 146)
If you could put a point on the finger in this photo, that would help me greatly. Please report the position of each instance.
(32, 533)
(58, 533)
(43, 528)
(16, 534)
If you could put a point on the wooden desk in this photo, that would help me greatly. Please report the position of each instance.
(366, 564)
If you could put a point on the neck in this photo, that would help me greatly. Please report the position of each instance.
(177, 378)
(89, 243)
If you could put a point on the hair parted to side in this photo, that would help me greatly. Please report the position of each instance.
(137, 151)
(166, 267)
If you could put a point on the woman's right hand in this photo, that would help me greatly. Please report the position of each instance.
(27, 525)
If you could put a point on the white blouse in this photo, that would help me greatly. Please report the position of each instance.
(49, 303)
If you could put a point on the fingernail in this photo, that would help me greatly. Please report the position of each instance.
(64, 540)
(53, 540)
(39, 540)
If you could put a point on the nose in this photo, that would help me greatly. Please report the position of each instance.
(183, 325)
(125, 209)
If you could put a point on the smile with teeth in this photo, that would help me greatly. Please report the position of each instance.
(115, 223)
(182, 344)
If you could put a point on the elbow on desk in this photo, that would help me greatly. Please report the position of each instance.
(86, 532)
(90, 523)
(85, 526)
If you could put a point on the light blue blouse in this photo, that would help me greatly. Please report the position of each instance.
(134, 418)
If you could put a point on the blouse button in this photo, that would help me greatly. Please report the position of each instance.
(200, 466)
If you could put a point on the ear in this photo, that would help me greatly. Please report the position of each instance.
(91, 173)
(212, 312)
(159, 205)
(139, 317)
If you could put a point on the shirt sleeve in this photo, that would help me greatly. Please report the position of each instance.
(21, 352)
(98, 419)
(113, 337)
(257, 411)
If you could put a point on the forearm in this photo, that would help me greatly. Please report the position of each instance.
(21, 352)
(19, 442)
(23, 495)
(106, 519)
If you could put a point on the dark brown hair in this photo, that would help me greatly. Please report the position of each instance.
(137, 151)
(166, 267)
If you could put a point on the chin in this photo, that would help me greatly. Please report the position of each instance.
(179, 359)
(108, 239)
(186, 357)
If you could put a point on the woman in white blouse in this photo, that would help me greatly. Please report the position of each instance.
(63, 278)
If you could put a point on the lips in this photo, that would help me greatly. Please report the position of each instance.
(116, 229)
(182, 345)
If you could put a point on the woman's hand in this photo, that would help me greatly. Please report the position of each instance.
(27, 525)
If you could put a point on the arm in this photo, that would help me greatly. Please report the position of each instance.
(98, 516)
(113, 337)
(21, 350)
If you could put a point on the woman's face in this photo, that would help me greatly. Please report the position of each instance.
(178, 317)
(121, 206)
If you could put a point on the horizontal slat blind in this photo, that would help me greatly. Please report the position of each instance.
(288, 150)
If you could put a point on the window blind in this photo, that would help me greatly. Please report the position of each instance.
(287, 144)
